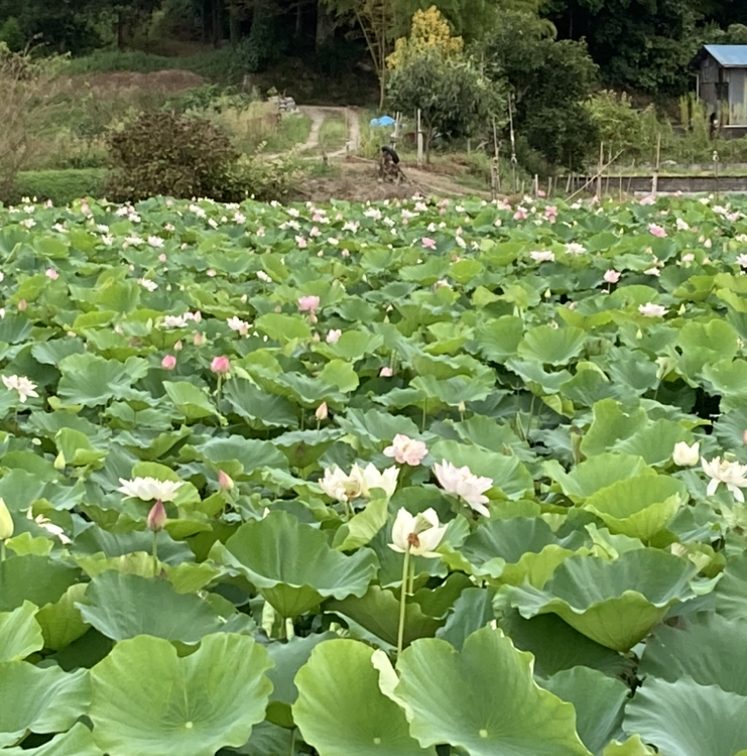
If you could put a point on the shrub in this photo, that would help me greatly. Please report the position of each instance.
(61, 187)
(170, 154)
(263, 178)
(12, 34)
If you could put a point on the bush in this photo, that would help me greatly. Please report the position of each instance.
(263, 178)
(12, 34)
(61, 187)
(170, 154)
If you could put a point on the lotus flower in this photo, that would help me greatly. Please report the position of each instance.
(419, 534)
(612, 276)
(731, 474)
(657, 231)
(6, 522)
(358, 484)
(651, 310)
(462, 482)
(309, 303)
(220, 365)
(22, 385)
(406, 450)
(149, 488)
(168, 362)
(157, 516)
(686, 456)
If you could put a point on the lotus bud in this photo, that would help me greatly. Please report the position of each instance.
(744, 437)
(322, 412)
(220, 365)
(59, 462)
(686, 456)
(6, 522)
(157, 516)
(225, 481)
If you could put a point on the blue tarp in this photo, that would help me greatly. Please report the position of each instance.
(384, 120)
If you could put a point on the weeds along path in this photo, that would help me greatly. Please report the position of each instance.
(318, 114)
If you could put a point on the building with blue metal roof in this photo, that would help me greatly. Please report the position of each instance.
(722, 85)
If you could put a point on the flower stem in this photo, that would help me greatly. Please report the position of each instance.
(403, 602)
(155, 553)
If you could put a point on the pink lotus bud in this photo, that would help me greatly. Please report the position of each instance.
(157, 516)
(22, 305)
(168, 362)
(221, 365)
(198, 339)
(225, 481)
(52, 274)
(744, 437)
(386, 372)
(178, 346)
(321, 411)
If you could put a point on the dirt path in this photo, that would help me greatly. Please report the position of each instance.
(318, 114)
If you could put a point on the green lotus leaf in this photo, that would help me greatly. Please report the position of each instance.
(362, 526)
(703, 648)
(728, 378)
(377, 612)
(631, 747)
(193, 403)
(341, 375)
(702, 344)
(472, 610)
(259, 408)
(552, 346)
(615, 603)
(250, 453)
(38, 579)
(599, 702)
(499, 339)
(39, 700)
(596, 473)
(61, 622)
(683, 717)
(639, 507)
(610, 424)
(78, 740)
(557, 646)
(76, 448)
(20, 633)
(90, 380)
(288, 658)
(731, 591)
(147, 700)
(340, 709)
(293, 565)
(123, 606)
(283, 328)
(482, 699)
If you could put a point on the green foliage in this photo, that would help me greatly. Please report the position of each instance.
(549, 80)
(170, 154)
(12, 34)
(453, 97)
(617, 122)
(61, 187)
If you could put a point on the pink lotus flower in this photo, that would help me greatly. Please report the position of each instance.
(386, 372)
(521, 214)
(168, 362)
(309, 303)
(612, 276)
(551, 213)
(225, 481)
(462, 482)
(428, 243)
(220, 365)
(157, 516)
(655, 230)
(52, 274)
(333, 336)
(406, 450)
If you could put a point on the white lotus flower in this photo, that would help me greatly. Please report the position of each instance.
(238, 325)
(22, 385)
(686, 456)
(50, 527)
(651, 310)
(419, 534)
(731, 474)
(148, 488)
(406, 450)
(462, 482)
(6, 521)
(358, 484)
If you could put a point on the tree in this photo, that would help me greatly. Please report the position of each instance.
(452, 96)
(549, 82)
(430, 31)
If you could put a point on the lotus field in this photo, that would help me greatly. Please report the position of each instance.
(410, 478)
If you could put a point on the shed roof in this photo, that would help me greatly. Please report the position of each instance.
(729, 56)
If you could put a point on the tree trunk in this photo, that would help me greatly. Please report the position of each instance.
(325, 26)
(233, 23)
(120, 30)
(217, 23)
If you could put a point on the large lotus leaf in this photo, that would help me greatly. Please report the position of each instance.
(77, 741)
(482, 699)
(39, 700)
(377, 612)
(472, 610)
(122, 606)
(707, 649)
(683, 718)
(616, 603)
(639, 507)
(705, 343)
(38, 579)
(553, 346)
(287, 659)
(633, 746)
(599, 702)
(147, 700)
(90, 380)
(596, 473)
(557, 646)
(610, 424)
(731, 591)
(728, 378)
(61, 621)
(499, 338)
(20, 633)
(340, 709)
(260, 408)
(192, 402)
(293, 565)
